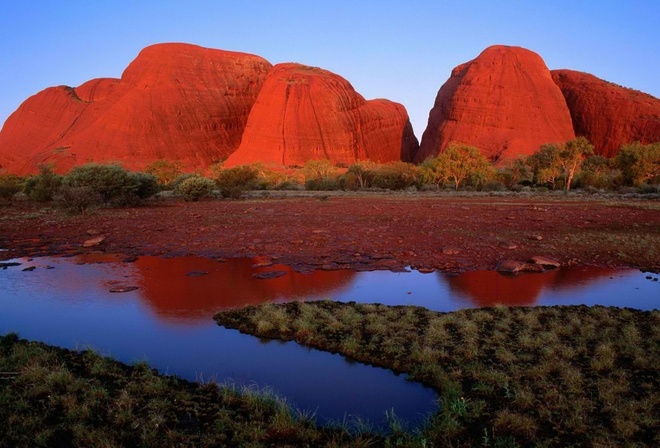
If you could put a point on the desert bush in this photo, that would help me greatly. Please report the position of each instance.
(232, 182)
(363, 172)
(164, 170)
(328, 184)
(174, 185)
(77, 199)
(493, 185)
(598, 172)
(640, 164)
(114, 184)
(146, 185)
(10, 184)
(42, 186)
(395, 176)
(196, 187)
(319, 170)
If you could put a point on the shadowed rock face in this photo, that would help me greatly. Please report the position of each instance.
(174, 101)
(606, 114)
(306, 113)
(504, 102)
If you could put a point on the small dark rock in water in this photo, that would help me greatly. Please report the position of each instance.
(8, 265)
(131, 259)
(31, 268)
(269, 274)
(197, 273)
(50, 267)
(124, 289)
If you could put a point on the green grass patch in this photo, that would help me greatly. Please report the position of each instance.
(543, 376)
(55, 397)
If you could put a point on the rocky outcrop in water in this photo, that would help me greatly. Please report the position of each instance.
(606, 114)
(504, 102)
(305, 113)
(174, 101)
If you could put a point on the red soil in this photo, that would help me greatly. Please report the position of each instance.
(357, 232)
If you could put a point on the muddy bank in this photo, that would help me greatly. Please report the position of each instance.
(364, 231)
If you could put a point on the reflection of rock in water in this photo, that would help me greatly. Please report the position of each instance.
(165, 286)
(490, 288)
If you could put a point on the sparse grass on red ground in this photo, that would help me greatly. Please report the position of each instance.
(541, 376)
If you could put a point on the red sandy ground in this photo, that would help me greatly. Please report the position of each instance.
(446, 232)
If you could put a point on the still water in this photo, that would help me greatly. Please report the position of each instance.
(167, 321)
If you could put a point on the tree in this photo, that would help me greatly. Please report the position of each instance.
(458, 162)
(639, 163)
(514, 172)
(546, 164)
(433, 173)
(164, 170)
(571, 156)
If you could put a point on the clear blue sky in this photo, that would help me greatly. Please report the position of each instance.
(400, 50)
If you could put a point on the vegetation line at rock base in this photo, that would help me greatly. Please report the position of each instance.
(543, 376)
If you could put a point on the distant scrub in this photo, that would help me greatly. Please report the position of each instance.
(195, 188)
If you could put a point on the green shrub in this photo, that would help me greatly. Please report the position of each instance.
(493, 185)
(196, 187)
(232, 182)
(146, 184)
(640, 164)
(395, 176)
(77, 199)
(329, 184)
(10, 184)
(174, 185)
(42, 186)
(113, 183)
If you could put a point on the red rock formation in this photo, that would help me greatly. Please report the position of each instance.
(504, 102)
(305, 113)
(608, 115)
(174, 101)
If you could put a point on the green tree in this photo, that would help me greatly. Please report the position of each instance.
(571, 156)
(43, 186)
(196, 187)
(432, 173)
(164, 170)
(598, 172)
(459, 162)
(639, 163)
(546, 164)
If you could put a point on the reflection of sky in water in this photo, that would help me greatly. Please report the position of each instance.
(168, 321)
